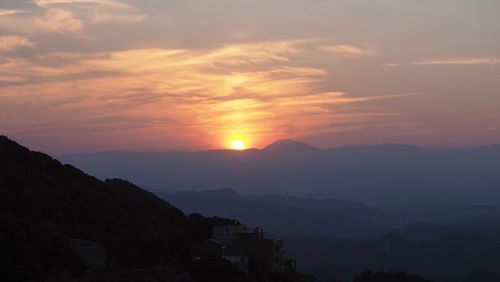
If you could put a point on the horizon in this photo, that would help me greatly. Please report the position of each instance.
(354, 146)
(82, 76)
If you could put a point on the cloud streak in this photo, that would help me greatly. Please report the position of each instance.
(463, 61)
(249, 89)
(12, 42)
(110, 3)
(348, 50)
(7, 12)
(68, 16)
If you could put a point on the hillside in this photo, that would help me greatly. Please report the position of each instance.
(47, 207)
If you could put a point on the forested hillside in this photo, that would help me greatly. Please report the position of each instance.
(45, 206)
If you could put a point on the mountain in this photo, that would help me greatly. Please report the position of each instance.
(416, 232)
(387, 174)
(281, 214)
(427, 232)
(289, 146)
(292, 216)
(57, 221)
(456, 256)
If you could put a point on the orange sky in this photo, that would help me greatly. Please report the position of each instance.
(83, 76)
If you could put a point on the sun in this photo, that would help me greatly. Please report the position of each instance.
(238, 144)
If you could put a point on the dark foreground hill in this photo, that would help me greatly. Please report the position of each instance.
(47, 208)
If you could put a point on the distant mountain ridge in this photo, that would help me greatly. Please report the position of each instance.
(428, 232)
(451, 258)
(289, 146)
(372, 174)
(282, 215)
(292, 216)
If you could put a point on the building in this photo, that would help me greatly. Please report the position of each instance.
(250, 249)
(226, 234)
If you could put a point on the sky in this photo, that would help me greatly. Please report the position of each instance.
(147, 75)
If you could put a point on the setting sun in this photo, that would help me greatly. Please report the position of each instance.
(238, 144)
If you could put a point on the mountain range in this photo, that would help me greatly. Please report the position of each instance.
(292, 216)
(47, 208)
(379, 175)
(453, 258)
(282, 215)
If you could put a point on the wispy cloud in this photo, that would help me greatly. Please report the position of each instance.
(95, 11)
(462, 61)
(252, 89)
(391, 65)
(10, 79)
(68, 16)
(348, 50)
(8, 43)
(110, 3)
(6, 12)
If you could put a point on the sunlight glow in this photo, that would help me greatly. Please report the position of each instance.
(238, 144)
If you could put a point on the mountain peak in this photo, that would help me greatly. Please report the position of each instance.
(289, 145)
(9, 145)
(224, 193)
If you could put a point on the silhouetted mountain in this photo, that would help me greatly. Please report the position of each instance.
(422, 231)
(289, 146)
(379, 174)
(419, 231)
(46, 207)
(450, 214)
(286, 215)
(280, 214)
(456, 256)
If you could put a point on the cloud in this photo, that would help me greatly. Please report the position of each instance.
(466, 61)
(110, 3)
(10, 79)
(255, 89)
(68, 16)
(348, 50)
(8, 43)
(95, 11)
(391, 65)
(6, 12)
(60, 20)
